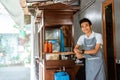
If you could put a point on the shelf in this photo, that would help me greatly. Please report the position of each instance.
(61, 53)
(60, 62)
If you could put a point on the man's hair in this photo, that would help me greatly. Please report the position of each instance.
(85, 20)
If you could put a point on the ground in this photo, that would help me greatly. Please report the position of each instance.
(15, 73)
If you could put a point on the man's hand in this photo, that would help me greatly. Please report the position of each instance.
(78, 53)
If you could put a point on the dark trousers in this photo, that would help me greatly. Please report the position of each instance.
(81, 72)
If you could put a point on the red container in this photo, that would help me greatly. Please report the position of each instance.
(46, 47)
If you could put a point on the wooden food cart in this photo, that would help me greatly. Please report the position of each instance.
(56, 27)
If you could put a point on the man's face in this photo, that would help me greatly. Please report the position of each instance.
(86, 27)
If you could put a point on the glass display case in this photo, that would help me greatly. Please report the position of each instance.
(60, 38)
(53, 36)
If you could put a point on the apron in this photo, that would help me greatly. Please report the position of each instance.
(94, 64)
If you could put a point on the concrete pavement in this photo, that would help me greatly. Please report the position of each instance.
(15, 73)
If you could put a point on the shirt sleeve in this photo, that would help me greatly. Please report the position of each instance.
(99, 38)
(80, 40)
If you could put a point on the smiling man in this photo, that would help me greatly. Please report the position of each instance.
(89, 46)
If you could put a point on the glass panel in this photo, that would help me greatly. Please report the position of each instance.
(51, 34)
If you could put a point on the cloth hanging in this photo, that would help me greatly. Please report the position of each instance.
(61, 41)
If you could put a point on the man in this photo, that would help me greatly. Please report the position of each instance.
(89, 46)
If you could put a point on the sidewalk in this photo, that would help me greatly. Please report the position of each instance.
(15, 73)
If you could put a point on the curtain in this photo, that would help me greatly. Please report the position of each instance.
(15, 10)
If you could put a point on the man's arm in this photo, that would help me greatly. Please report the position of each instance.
(93, 51)
(78, 52)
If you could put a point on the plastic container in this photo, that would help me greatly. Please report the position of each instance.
(62, 75)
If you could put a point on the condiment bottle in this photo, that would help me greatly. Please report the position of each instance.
(50, 47)
(46, 47)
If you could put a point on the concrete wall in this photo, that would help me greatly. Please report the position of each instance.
(117, 27)
(91, 9)
(94, 13)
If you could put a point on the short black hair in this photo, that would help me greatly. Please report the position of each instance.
(85, 20)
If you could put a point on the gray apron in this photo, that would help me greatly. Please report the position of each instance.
(94, 64)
